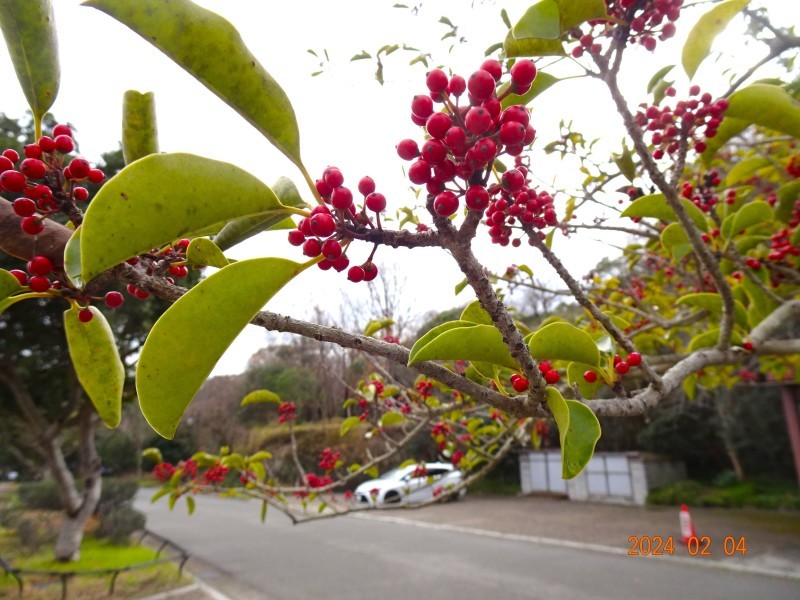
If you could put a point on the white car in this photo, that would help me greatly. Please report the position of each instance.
(413, 483)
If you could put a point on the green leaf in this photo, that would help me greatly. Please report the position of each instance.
(712, 302)
(540, 21)
(541, 84)
(372, 472)
(578, 429)
(761, 305)
(526, 269)
(238, 230)
(391, 418)
(361, 56)
(212, 51)
(202, 252)
(153, 454)
(656, 206)
(348, 424)
(712, 23)
(260, 396)
(745, 169)
(433, 333)
(658, 77)
(673, 235)
(750, 214)
(8, 284)
(709, 339)
(162, 198)
(531, 47)
(264, 510)
(160, 494)
(72, 258)
(729, 128)
(474, 313)
(575, 373)
(562, 341)
(29, 29)
(625, 163)
(689, 386)
(190, 504)
(787, 195)
(376, 325)
(260, 456)
(460, 286)
(768, 106)
(504, 16)
(482, 343)
(139, 126)
(97, 363)
(191, 336)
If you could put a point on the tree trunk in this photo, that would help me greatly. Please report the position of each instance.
(722, 403)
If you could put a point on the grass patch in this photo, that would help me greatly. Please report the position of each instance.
(752, 494)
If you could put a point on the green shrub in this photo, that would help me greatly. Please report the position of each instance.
(739, 494)
(680, 492)
(118, 454)
(33, 534)
(117, 493)
(118, 524)
(41, 495)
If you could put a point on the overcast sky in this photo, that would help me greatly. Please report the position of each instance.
(346, 118)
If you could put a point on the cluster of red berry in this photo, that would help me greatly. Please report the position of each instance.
(328, 459)
(324, 232)
(286, 412)
(551, 376)
(315, 481)
(465, 139)
(646, 21)
(517, 206)
(168, 261)
(670, 125)
(45, 179)
(216, 473)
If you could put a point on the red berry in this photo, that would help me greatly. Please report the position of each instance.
(331, 249)
(21, 276)
(436, 80)
(422, 106)
(545, 366)
(62, 129)
(12, 181)
(323, 188)
(33, 168)
(32, 225)
(376, 202)
(85, 315)
(419, 172)
(46, 143)
(552, 377)
(622, 367)
(366, 186)
(96, 176)
(333, 177)
(355, 274)
(477, 197)
(24, 207)
(81, 194)
(321, 224)
(634, 359)
(370, 271)
(296, 237)
(438, 124)
(79, 167)
(481, 85)
(512, 133)
(748, 346)
(457, 85)
(114, 299)
(407, 150)
(478, 120)
(40, 265)
(141, 294)
(312, 248)
(5, 164)
(493, 68)
(523, 72)
(11, 155)
(520, 384)
(341, 263)
(512, 180)
(446, 204)
(590, 376)
(516, 113)
(39, 283)
(63, 144)
(341, 198)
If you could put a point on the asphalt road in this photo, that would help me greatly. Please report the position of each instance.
(353, 558)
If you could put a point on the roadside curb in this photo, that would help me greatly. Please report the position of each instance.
(530, 539)
(211, 592)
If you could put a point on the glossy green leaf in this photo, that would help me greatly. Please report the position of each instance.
(391, 418)
(709, 339)
(576, 12)
(162, 198)
(97, 363)
(625, 164)
(241, 229)
(750, 214)
(153, 454)
(673, 235)
(260, 396)
(712, 302)
(745, 243)
(655, 206)
(259, 456)
(29, 29)
(787, 195)
(562, 341)
(541, 21)
(72, 258)
(745, 169)
(474, 313)
(460, 286)
(376, 325)
(192, 335)
(202, 252)
(531, 47)
(766, 105)
(575, 373)
(701, 37)
(433, 334)
(728, 129)
(8, 284)
(578, 429)
(761, 305)
(658, 77)
(139, 125)
(482, 343)
(212, 51)
(348, 424)
(542, 83)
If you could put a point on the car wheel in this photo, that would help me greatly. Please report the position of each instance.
(391, 497)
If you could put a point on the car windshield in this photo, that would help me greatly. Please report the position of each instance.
(392, 473)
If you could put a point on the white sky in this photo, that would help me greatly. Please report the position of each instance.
(346, 119)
